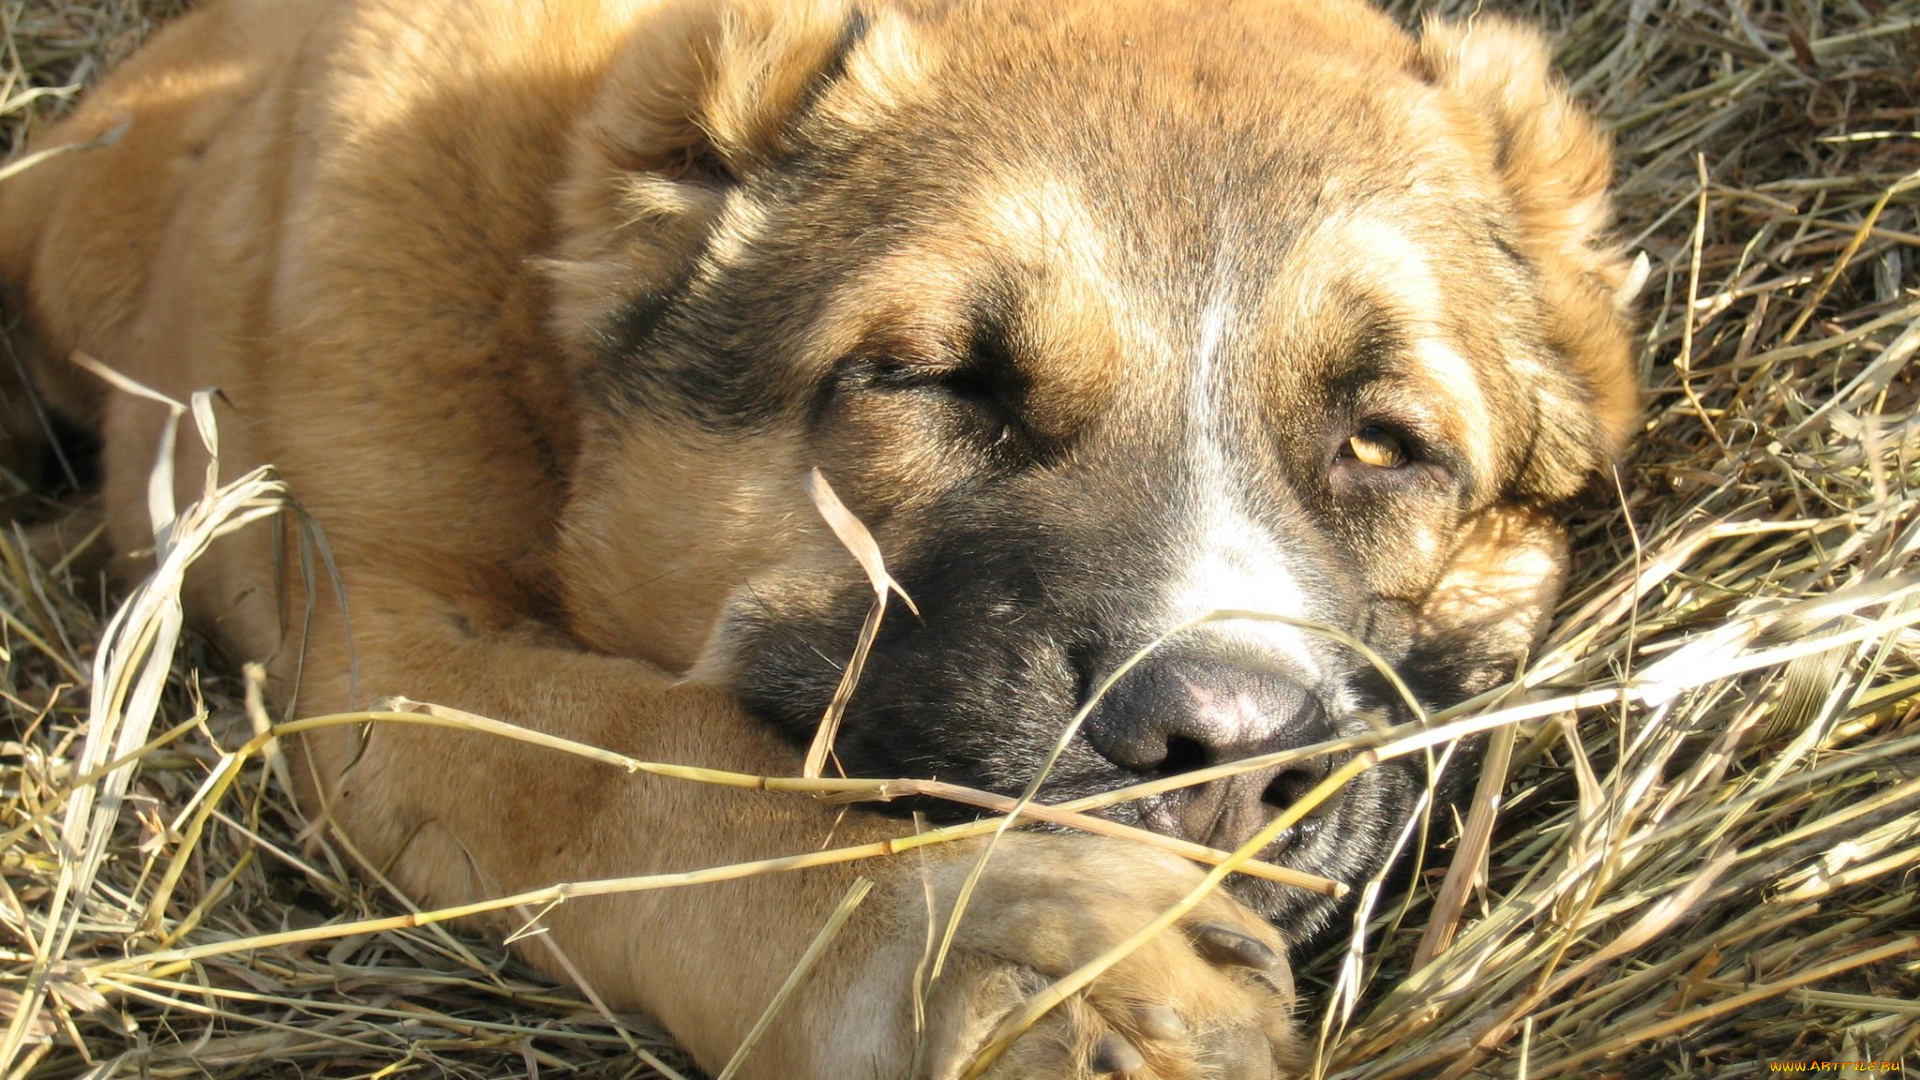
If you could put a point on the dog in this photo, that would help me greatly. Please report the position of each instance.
(1100, 315)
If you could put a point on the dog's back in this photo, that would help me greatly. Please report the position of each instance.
(80, 229)
(92, 234)
(243, 197)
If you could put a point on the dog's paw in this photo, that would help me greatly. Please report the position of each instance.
(1210, 999)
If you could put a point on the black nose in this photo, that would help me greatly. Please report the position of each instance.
(1176, 712)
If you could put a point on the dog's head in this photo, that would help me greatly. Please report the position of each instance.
(1101, 317)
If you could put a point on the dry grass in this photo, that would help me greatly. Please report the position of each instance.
(1702, 817)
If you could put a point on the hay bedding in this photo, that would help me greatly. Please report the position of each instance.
(1702, 824)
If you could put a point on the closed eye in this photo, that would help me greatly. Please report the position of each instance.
(990, 402)
(978, 390)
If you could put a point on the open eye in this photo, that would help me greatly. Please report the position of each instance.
(1376, 446)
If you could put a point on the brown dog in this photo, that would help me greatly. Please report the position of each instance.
(1101, 316)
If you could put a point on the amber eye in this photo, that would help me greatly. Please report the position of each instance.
(1377, 447)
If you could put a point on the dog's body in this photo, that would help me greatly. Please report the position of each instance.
(544, 311)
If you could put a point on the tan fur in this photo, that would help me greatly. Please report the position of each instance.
(1557, 169)
(390, 231)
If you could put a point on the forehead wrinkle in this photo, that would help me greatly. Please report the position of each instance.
(1451, 376)
(1088, 319)
(1044, 214)
(912, 294)
(1379, 255)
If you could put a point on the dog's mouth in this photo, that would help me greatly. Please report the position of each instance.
(1228, 813)
(940, 697)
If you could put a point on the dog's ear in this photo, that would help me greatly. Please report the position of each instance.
(1556, 167)
(699, 96)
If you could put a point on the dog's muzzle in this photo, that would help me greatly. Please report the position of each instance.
(1178, 711)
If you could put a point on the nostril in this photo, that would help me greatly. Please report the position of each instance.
(1080, 659)
(1169, 716)
(1184, 754)
(1291, 786)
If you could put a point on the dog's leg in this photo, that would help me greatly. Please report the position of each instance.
(458, 816)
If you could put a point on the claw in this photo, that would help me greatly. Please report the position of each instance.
(1244, 1054)
(1224, 945)
(1113, 1054)
(1280, 979)
(1159, 1022)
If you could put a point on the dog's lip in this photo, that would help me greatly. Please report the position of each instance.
(1156, 814)
(1304, 831)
